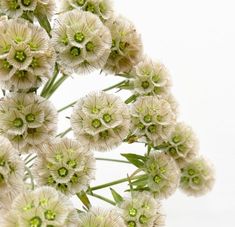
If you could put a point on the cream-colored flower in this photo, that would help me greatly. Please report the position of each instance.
(152, 119)
(82, 42)
(100, 121)
(43, 207)
(101, 217)
(65, 165)
(126, 48)
(197, 177)
(46, 7)
(163, 174)
(27, 120)
(141, 210)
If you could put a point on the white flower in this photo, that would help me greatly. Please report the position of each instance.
(126, 48)
(163, 174)
(152, 119)
(65, 165)
(42, 207)
(101, 121)
(197, 177)
(81, 41)
(27, 120)
(101, 217)
(141, 210)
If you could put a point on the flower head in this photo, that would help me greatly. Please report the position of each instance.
(197, 177)
(101, 121)
(152, 119)
(126, 48)
(26, 57)
(27, 120)
(81, 41)
(65, 165)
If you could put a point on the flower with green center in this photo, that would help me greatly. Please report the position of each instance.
(90, 7)
(26, 2)
(90, 46)
(96, 123)
(50, 215)
(107, 118)
(148, 118)
(133, 212)
(143, 219)
(30, 117)
(191, 172)
(35, 222)
(80, 2)
(13, 5)
(20, 56)
(145, 84)
(18, 122)
(131, 224)
(63, 172)
(72, 163)
(141, 126)
(79, 37)
(34, 63)
(7, 65)
(104, 135)
(152, 128)
(75, 51)
(157, 179)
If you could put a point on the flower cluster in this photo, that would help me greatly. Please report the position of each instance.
(65, 165)
(101, 121)
(152, 120)
(42, 207)
(26, 57)
(142, 210)
(102, 8)
(27, 120)
(82, 41)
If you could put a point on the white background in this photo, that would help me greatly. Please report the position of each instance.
(196, 41)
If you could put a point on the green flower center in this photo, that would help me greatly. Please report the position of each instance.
(50, 215)
(90, 46)
(95, 110)
(156, 78)
(26, 2)
(132, 212)
(79, 37)
(80, 2)
(63, 172)
(75, 51)
(20, 56)
(34, 63)
(191, 172)
(177, 139)
(96, 123)
(196, 180)
(157, 90)
(90, 7)
(104, 134)
(143, 219)
(131, 224)
(72, 163)
(145, 84)
(35, 222)
(157, 179)
(14, 4)
(107, 118)
(172, 151)
(62, 187)
(184, 179)
(18, 123)
(152, 128)
(21, 74)
(148, 118)
(141, 126)
(74, 179)
(51, 180)
(30, 117)
(6, 64)
(64, 40)
(102, 7)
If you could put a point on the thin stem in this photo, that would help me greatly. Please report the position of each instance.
(62, 134)
(30, 176)
(115, 85)
(30, 160)
(102, 198)
(131, 99)
(112, 160)
(66, 107)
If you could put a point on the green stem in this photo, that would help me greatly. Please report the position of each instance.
(30, 160)
(115, 85)
(102, 198)
(62, 134)
(66, 107)
(30, 176)
(112, 160)
(131, 99)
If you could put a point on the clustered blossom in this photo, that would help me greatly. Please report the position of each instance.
(102, 8)
(152, 119)
(26, 57)
(142, 210)
(82, 41)
(126, 48)
(65, 165)
(101, 217)
(182, 144)
(17, 8)
(27, 120)
(163, 174)
(39, 208)
(197, 177)
(100, 120)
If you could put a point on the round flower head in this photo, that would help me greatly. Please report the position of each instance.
(152, 119)
(182, 144)
(81, 41)
(27, 120)
(163, 174)
(150, 78)
(126, 48)
(11, 169)
(102, 8)
(142, 210)
(101, 121)
(40, 208)
(16, 8)
(101, 217)
(197, 177)
(26, 57)
(65, 165)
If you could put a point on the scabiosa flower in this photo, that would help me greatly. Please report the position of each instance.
(26, 58)
(163, 174)
(150, 78)
(126, 48)
(65, 165)
(27, 120)
(152, 119)
(101, 121)
(141, 210)
(182, 144)
(102, 8)
(81, 41)
(197, 177)
(43, 207)
(101, 217)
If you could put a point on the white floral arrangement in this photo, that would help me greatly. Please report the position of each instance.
(41, 171)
